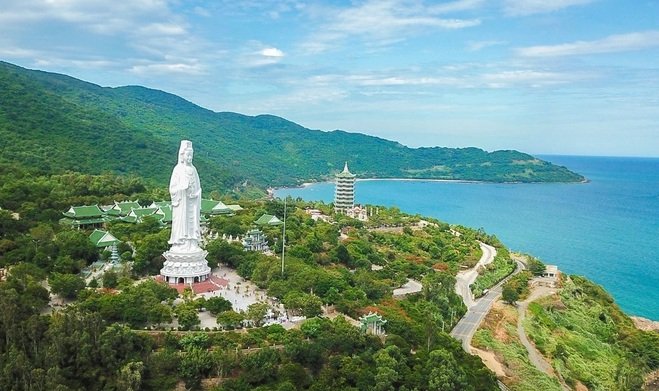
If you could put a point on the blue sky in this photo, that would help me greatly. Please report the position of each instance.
(542, 76)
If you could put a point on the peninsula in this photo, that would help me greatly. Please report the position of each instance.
(83, 127)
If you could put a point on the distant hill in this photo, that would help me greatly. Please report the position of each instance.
(55, 123)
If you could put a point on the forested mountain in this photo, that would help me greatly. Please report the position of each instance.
(56, 123)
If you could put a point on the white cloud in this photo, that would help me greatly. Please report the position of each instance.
(96, 15)
(163, 29)
(475, 46)
(167, 68)
(201, 11)
(529, 7)
(410, 81)
(455, 6)
(379, 22)
(152, 37)
(15, 52)
(364, 80)
(272, 52)
(610, 44)
(88, 63)
(528, 78)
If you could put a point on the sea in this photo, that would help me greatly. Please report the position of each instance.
(606, 229)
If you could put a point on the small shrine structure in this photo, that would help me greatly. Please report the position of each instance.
(372, 324)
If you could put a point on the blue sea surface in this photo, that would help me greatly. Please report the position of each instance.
(606, 229)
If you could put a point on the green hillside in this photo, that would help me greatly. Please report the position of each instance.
(56, 123)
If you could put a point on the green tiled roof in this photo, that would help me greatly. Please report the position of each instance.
(102, 238)
(114, 211)
(82, 212)
(141, 212)
(221, 208)
(127, 206)
(210, 207)
(166, 212)
(122, 208)
(207, 206)
(267, 219)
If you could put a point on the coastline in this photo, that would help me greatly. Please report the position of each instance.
(307, 184)
(645, 324)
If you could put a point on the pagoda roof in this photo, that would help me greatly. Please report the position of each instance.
(141, 212)
(127, 206)
(267, 219)
(158, 204)
(208, 205)
(166, 212)
(212, 207)
(84, 212)
(345, 173)
(372, 317)
(122, 208)
(235, 207)
(102, 238)
(221, 208)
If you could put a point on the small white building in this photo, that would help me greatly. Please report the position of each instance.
(358, 212)
(316, 215)
(551, 271)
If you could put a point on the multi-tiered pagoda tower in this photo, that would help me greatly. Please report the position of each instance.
(344, 195)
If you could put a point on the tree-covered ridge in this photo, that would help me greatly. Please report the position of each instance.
(93, 344)
(61, 123)
(99, 342)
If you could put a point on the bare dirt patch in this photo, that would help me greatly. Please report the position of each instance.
(645, 324)
(496, 320)
(490, 360)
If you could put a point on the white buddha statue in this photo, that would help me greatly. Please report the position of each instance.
(185, 190)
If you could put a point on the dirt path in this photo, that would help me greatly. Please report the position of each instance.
(535, 357)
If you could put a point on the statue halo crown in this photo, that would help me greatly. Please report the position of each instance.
(185, 144)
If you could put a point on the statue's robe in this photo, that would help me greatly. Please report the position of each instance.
(185, 189)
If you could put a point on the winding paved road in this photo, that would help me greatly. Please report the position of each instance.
(464, 279)
(467, 326)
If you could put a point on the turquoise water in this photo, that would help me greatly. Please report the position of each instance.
(607, 229)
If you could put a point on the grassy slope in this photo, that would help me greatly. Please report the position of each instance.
(70, 124)
(590, 340)
(584, 335)
(498, 334)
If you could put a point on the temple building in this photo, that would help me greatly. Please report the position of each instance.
(105, 240)
(358, 212)
(255, 240)
(344, 194)
(211, 208)
(88, 216)
(267, 219)
(121, 208)
(137, 215)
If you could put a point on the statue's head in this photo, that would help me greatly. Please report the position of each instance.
(185, 152)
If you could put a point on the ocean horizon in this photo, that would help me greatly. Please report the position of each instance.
(605, 229)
